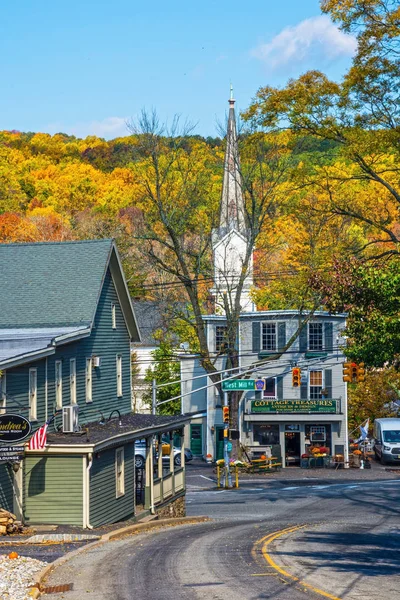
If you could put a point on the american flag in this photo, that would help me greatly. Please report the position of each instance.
(39, 438)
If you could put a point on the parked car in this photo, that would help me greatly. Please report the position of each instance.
(140, 454)
(387, 440)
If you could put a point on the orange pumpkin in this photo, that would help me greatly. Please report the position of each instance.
(13, 555)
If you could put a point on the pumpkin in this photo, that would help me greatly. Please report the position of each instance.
(13, 555)
(357, 452)
(263, 457)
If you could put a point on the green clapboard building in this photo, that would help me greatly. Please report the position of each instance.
(66, 327)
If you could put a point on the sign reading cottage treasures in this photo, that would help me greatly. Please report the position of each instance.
(293, 406)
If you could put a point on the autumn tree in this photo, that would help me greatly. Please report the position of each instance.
(359, 117)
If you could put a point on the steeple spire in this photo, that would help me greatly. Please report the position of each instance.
(232, 206)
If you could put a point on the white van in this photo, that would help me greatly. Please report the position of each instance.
(387, 440)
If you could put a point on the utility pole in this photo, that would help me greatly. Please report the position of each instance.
(228, 475)
(153, 397)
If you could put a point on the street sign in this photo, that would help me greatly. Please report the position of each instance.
(229, 446)
(233, 385)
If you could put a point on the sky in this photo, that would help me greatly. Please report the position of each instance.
(87, 67)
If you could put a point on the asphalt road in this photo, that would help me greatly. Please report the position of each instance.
(286, 542)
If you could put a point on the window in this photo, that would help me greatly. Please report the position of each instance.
(266, 434)
(58, 383)
(32, 394)
(315, 385)
(119, 375)
(119, 472)
(3, 397)
(89, 379)
(315, 336)
(113, 316)
(72, 380)
(221, 332)
(268, 336)
(270, 388)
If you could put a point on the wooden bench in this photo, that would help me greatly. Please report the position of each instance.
(260, 465)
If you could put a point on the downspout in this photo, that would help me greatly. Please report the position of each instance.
(45, 392)
(87, 491)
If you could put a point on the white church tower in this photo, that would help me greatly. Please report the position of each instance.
(230, 239)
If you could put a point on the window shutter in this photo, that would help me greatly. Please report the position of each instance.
(303, 339)
(256, 336)
(328, 337)
(281, 336)
(328, 382)
(303, 390)
(279, 388)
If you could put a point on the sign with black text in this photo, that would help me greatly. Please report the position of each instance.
(13, 428)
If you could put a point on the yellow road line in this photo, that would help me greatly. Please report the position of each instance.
(266, 541)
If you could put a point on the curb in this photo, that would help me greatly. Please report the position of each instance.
(35, 590)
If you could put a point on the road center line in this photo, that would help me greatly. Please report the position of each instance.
(268, 540)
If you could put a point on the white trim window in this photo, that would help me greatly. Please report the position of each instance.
(221, 332)
(3, 396)
(32, 394)
(89, 382)
(119, 375)
(113, 316)
(268, 336)
(270, 388)
(119, 472)
(315, 337)
(72, 380)
(316, 385)
(58, 383)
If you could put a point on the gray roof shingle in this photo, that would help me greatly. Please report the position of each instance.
(51, 284)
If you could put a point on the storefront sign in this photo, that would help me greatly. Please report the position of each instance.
(13, 428)
(243, 384)
(294, 406)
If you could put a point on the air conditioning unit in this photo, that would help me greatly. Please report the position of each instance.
(70, 419)
(96, 361)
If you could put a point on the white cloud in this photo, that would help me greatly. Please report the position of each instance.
(110, 127)
(317, 37)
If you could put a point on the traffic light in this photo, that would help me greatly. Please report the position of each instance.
(296, 373)
(347, 372)
(225, 414)
(360, 372)
(354, 371)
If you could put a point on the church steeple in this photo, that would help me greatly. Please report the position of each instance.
(232, 205)
(230, 240)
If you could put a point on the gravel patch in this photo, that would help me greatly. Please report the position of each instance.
(16, 575)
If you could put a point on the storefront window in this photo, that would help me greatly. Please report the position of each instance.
(315, 385)
(318, 435)
(266, 434)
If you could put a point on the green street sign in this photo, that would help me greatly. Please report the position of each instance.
(294, 406)
(243, 384)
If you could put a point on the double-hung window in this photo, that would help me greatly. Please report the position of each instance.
(32, 394)
(268, 336)
(58, 383)
(119, 472)
(89, 380)
(315, 336)
(119, 375)
(316, 385)
(113, 316)
(220, 338)
(270, 388)
(2, 393)
(72, 380)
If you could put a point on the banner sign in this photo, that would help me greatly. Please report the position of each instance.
(243, 384)
(294, 406)
(13, 428)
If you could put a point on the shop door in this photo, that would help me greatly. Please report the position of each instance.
(219, 443)
(292, 448)
(196, 439)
